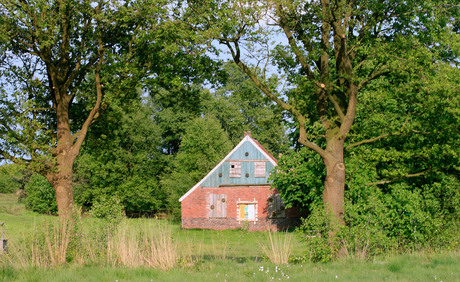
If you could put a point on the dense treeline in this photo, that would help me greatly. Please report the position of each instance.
(146, 156)
(117, 113)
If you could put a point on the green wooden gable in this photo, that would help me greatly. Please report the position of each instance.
(247, 164)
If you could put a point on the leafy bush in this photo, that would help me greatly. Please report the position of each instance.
(400, 218)
(41, 197)
(316, 229)
(109, 208)
(299, 176)
(13, 177)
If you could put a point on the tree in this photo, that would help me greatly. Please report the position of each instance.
(50, 51)
(403, 187)
(122, 158)
(240, 106)
(204, 144)
(13, 178)
(330, 52)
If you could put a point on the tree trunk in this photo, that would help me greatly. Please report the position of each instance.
(334, 185)
(62, 185)
(61, 180)
(61, 177)
(334, 189)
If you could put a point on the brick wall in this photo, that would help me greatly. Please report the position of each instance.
(196, 209)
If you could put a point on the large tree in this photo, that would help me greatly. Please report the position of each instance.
(330, 51)
(52, 86)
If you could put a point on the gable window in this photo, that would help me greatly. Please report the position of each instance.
(259, 169)
(247, 211)
(217, 205)
(235, 169)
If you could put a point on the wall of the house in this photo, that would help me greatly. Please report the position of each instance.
(197, 212)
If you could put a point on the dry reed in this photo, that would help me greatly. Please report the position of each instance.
(278, 247)
(58, 241)
(150, 246)
(45, 247)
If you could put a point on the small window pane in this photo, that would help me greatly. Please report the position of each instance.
(247, 211)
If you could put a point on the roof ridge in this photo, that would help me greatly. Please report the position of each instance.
(265, 150)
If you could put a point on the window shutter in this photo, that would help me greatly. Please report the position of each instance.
(217, 205)
(235, 169)
(259, 169)
(276, 207)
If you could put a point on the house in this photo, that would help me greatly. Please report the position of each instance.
(237, 194)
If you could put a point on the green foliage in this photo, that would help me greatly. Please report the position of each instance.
(240, 106)
(11, 178)
(122, 159)
(316, 230)
(109, 208)
(299, 177)
(172, 109)
(41, 197)
(203, 145)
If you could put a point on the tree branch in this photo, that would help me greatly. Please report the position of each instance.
(382, 182)
(366, 141)
(80, 136)
(336, 106)
(285, 106)
(300, 57)
(372, 76)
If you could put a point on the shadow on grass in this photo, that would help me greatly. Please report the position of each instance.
(237, 259)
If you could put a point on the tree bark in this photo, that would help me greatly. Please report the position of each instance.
(62, 184)
(61, 177)
(334, 185)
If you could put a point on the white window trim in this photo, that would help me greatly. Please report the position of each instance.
(256, 212)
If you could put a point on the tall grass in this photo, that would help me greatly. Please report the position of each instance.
(160, 250)
(130, 245)
(149, 245)
(277, 247)
(44, 246)
(57, 241)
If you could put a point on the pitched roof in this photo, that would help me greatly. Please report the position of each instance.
(246, 138)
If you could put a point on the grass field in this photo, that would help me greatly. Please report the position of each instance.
(205, 255)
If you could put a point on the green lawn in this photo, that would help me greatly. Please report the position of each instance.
(417, 267)
(231, 255)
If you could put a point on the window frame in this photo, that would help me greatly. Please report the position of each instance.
(247, 203)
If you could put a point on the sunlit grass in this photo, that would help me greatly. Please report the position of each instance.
(129, 251)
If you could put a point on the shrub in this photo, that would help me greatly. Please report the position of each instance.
(109, 208)
(41, 197)
(316, 229)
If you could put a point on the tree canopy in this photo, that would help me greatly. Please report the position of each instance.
(330, 53)
(130, 103)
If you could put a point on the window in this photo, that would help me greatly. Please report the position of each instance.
(247, 211)
(235, 169)
(259, 169)
(217, 205)
(276, 208)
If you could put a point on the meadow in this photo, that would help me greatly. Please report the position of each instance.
(42, 248)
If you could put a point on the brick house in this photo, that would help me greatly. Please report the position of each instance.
(237, 194)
